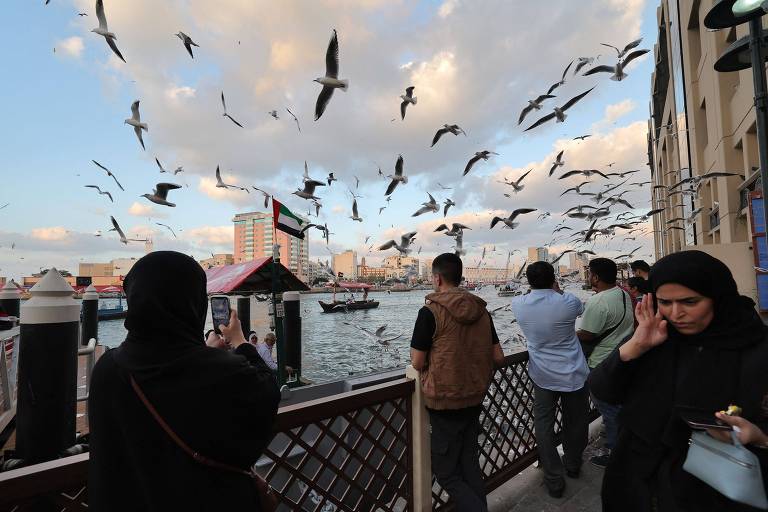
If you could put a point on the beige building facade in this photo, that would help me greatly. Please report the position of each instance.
(217, 260)
(702, 121)
(346, 263)
(254, 238)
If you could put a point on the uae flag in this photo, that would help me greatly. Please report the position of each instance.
(285, 220)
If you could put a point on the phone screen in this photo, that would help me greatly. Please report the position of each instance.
(220, 312)
(699, 419)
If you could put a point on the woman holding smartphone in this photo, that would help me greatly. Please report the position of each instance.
(219, 398)
(699, 346)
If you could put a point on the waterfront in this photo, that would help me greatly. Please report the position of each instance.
(334, 349)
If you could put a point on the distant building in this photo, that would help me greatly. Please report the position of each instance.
(578, 262)
(2, 281)
(426, 269)
(217, 260)
(95, 269)
(121, 266)
(485, 275)
(398, 261)
(345, 263)
(314, 270)
(537, 254)
(371, 274)
(254, 239)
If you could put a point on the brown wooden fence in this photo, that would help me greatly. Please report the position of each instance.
(352, 451)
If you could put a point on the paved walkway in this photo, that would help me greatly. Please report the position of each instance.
(526, 492)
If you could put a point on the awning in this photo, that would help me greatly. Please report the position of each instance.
(354, 286)
(251, 276)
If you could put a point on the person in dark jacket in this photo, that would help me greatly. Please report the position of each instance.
(704, 348)
(221, 403)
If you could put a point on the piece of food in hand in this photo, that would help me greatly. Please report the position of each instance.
(733, 410)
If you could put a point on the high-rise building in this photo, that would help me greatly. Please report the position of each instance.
(701, 121)
(254, 238)
(346, 263)
(537, 254)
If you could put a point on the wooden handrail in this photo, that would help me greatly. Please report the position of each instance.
(40, 479)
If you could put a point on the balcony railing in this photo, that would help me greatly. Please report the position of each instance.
(366, 449)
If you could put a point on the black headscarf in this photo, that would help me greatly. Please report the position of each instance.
(736, 324)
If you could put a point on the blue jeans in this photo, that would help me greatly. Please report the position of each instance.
(610, 414)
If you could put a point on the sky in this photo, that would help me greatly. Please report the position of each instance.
(472, 63)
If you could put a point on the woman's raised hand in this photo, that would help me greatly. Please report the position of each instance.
(651, 330)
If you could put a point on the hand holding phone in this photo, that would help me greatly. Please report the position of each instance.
(220, 312)
(699, 419)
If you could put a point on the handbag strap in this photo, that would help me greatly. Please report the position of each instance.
(198, 457)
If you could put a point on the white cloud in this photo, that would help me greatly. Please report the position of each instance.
(447, 8)
(178, 92)
(211, 236)
(71, 46)
(615, 112)
(52, 234)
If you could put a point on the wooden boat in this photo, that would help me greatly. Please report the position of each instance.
(341, 306)
(509, 293)
(112, 313)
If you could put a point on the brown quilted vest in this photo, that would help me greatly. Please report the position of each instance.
(460, 362)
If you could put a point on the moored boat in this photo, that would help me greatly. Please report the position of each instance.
(341, 306)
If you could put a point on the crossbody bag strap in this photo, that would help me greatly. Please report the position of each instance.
(202, 459)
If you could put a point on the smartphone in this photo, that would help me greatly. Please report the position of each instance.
(220, 312)
(699, 419)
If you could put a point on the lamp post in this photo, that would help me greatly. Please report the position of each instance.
(742, 54)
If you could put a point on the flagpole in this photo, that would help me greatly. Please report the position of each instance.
(277, 312)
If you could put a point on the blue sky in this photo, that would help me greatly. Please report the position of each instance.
(67, 107)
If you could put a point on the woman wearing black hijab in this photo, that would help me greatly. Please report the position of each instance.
(705, 348)
(221, 404)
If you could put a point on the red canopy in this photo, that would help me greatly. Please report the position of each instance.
(354, 286)
(251, 276)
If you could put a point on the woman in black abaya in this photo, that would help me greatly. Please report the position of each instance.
(220, 403)
(705, 348)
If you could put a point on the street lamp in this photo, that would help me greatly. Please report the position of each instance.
(747, 52)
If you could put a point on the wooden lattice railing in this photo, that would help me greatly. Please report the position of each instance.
(352, 451)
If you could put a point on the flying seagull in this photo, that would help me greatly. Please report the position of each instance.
(562, 79)
(559, 162)
(456, 229)
(429, 206)
(448, 203)
(618, 69)
(123, 238)
(481, 155)
(452, 128)
(273, 113)
(355, 215)
(102, 192)
(188, 42)
(581, 62)
(224, 104)
(331, 79)
(308, 192)
(582, 137)
(135, 121)
(398, 176)
(403, 246)
(109, 173)
(103, 29)
(167, 226)
(407, 98)
(160, 194)
(162, 169)
(219, 182)
(630, 46)
(533, 105)
(265, 194)
(585, 172)
(294, 118)
(559, 112)
(517, 185)
(509, 221)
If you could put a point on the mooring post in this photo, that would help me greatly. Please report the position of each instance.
(422, 455)
(10, 299)
(292, 332)
(90, 316)
(244, 314)
(47, 389)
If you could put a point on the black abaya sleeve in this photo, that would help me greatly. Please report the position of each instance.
(611, 379)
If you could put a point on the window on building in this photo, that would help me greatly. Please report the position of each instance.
(702, 130)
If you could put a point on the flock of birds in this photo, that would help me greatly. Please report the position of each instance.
(607, 187)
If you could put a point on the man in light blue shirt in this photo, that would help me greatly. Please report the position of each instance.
(558, 369)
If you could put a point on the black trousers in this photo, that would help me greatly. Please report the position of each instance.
(575, 431)
(455, 457)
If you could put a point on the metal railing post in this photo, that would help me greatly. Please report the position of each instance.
(421, 473)
(5, 381)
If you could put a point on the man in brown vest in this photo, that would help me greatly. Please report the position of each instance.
(455, 347)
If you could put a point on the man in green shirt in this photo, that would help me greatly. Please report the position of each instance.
(607, 320)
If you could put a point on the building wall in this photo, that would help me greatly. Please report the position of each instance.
(346, 263)
(537, 254)
(218, 260)
(426, 269)
(485, 274)
(95, 269)
(254, 239)
(121, 266)
(702, 121)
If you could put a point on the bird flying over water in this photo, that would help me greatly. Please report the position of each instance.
(480, 155)
(430, 206)
(103, 29)
(109, 173)
(407, 98)
(559, 112)
(135, 121)
(331, 79)
(188, 42)
(123, 238)
(355, 216)
(160, 194)
(403, 246)
(509, 221)
(102, 192)
(456, 229)
(224, 104)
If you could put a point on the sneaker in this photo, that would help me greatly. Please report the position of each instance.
(601, 461)
(573, 473)
(556, 493)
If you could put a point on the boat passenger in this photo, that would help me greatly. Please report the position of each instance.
(221, 404)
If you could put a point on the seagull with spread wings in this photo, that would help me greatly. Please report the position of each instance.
(166, 226)
(517, 185)
(103, 29)
(559, 162)
(331, 79)
(160, 194)
(429, 206)
(534, 104)
(109, 173)
(408, 98)
(188, 42)
(617, 71)
(102, 192)
(403, 247)
(121, 234)
(562, 79)
(447, 128)
(480, 155)
(559, 112)
(630, 46)
(135, 121)
(225, 114)
(509, 221)
(294, 118)
(398, 177)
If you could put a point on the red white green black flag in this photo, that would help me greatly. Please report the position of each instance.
(285, 220)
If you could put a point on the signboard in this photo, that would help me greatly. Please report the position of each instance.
(280, 310)
(83, 281)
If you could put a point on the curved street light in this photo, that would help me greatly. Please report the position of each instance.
(750, 7)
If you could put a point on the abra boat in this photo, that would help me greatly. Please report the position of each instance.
(341, 306)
